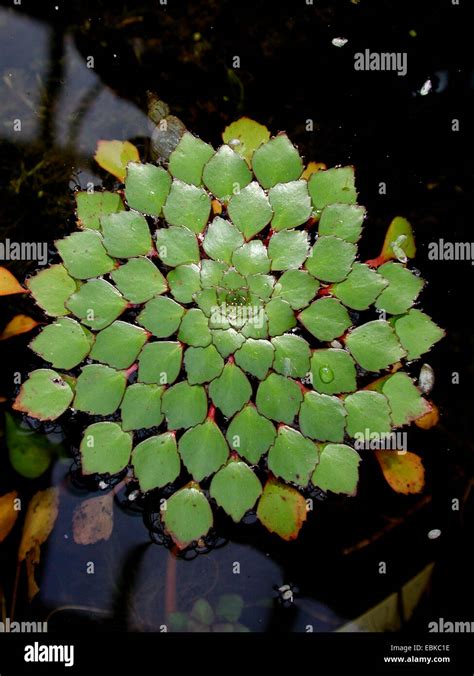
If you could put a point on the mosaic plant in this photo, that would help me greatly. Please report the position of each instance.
(209, 317)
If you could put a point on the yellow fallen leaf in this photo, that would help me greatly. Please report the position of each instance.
(39, 522)
(430, 419)
(9, 284)
(19, 324)
(2, 400)
(32, 558)
(216, 207)
(8, 513)
(312, 168)
(245, 136)
(113, 156)
(93, 520)
(404, 473)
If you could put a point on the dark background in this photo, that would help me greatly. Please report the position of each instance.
(290, 72)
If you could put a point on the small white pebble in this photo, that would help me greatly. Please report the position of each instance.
(339, 42)
(102, 485)
(426, 379)
(427, 87)
(336, 343)
(434, 534)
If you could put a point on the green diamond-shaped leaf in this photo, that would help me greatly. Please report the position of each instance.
(177, 245)
(256, 326)
(250, 434)
(417, 333)
(51, 288)
(161, 316)
(331, 258)
(99, 389)
(326, 319)
(288, 249)
(206, 300)
(139, 280)
(63, 344)
(97, 303)
(277, 161)
(141, 407)
(194, 329)
(184, 281)
(227, 341)
(233, 279)
(160, 362)
(187, 205)
(279, 398)
(231, 390)
(184, 405)
(367, 412)
(261, 285)
(188, 516)
(280, 315)
(282, 509)
(245, 136)
(332, 186)
(375, 345)
(322, 417)
(255, 357)
(399, 241)
(92, 205)
(221, 240)
(333, 371)
(202, 364)
(297, 287)
(226, 173)
(156, 461)
(292, 457)
(291, 204)
(84, 255)
(292, 355)
(251, 258)
(342, 220)
(105, 448)
(146, 187)
(211, 273)
(126, 234)
(203, 450)
(250, 210)
(360, 288)
(236, 489)
(404, 398)
(188, 159)
(402, 290)
(119, 344)
(44, 395)
(338, 469)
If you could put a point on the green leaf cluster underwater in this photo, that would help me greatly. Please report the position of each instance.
(211, 302)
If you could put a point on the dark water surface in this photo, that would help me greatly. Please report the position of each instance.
(290, 73)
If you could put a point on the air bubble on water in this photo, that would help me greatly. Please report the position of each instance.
(326, 374)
